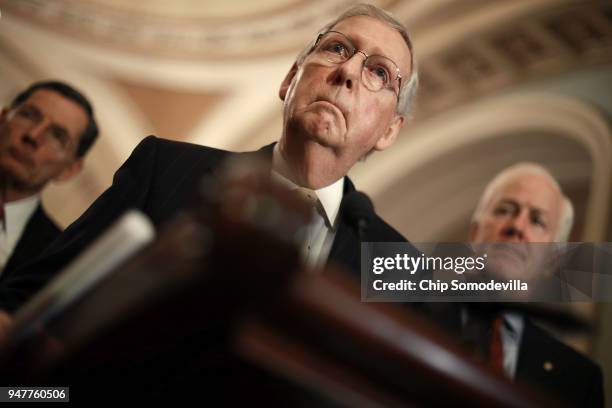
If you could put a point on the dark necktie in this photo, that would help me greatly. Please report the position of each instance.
(496, 347)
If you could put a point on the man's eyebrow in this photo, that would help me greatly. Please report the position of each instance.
(512, 201)
(540, 211)
(33, 108)
(508, 201)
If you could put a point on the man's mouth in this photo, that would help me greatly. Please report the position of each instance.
(20, 156)
(332, 106)
(518, 251)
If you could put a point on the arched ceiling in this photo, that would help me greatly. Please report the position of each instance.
(208, 72)
(192, 29)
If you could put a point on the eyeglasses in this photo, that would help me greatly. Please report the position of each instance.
(377, 72)
(54, 135)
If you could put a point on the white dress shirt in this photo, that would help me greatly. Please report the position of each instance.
(16, 216)
(511, 337)
(512, 334)
(322, 229)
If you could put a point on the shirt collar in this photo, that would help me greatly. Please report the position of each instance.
(514, 323)
(17, 213)
(330, 196)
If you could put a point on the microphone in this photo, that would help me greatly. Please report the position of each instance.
(357, 209)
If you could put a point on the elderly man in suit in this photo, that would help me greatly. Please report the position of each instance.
(44, 135)
(346, 95)
(525, 204)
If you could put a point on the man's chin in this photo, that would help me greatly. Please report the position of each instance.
(324, 126)
(507, 268)
(328, 136)
(16, 178)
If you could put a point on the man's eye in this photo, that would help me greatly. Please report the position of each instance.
(503, 210)
(382, 73)
(26, 113)
(59, 135)
(539, 221)
(337, 48)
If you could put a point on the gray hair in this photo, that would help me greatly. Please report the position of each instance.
(409, 88)
(566, 218)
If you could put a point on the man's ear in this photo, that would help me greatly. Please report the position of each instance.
(282, 93)
(388, 138)
(70, 171)
(3, 114)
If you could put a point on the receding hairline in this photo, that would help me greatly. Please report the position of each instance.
(410, 80)
(511, 174)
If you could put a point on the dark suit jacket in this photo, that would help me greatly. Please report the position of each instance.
(159, 178)
(571, 377)
(38, 233)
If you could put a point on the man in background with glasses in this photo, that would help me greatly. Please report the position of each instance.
(44, 135)
(347, 94)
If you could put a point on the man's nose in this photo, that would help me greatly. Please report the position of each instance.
(349, 72)
(33, 135)
(516, 229)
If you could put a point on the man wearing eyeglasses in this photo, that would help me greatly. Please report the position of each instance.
(344, 98)
(347, 95)
(44, 135)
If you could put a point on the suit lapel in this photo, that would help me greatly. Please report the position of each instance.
(534, 364)
(39, 232)
(345, 249)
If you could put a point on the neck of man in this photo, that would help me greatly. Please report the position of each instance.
(309, 164)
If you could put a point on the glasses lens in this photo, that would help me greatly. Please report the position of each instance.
(334, 47)
(380, 72)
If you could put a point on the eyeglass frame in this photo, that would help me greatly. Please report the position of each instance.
(18, 113)
(398, 76)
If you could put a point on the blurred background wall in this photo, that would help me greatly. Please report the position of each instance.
(502, 81)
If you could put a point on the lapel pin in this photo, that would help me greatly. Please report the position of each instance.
(548, 366)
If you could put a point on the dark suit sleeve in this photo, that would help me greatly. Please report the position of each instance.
(130, 189)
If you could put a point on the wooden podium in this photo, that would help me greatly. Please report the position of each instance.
(219, 309)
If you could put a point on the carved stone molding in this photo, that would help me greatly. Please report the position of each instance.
(534, 46)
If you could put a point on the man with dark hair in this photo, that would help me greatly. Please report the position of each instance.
(44, 134)
(347, 94)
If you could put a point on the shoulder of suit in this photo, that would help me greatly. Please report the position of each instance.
(41, 226)
(177, 146)
(379, 229)
(386, 232)
(43, 221)
(165, 150)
